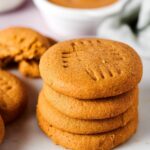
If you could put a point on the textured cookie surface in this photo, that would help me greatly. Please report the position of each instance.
(29, 68)
(105, 141)
(22, 43)
(13, 96)
(2, 129)
(91, 68)
(78, 126)
(83, 3)
(90, 109)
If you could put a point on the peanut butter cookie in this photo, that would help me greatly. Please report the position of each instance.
(29, 68)
(90, 109)
(13, 96)
(78, 126)
(91, 68)
(19, 44)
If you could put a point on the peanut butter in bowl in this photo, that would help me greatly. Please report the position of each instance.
(77, 18)
(83, 4)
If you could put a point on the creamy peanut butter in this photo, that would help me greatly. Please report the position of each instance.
(83, 3)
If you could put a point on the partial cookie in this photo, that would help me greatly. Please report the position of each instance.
(90, 109)
(91, 68)
(105, 141)
(78, 126)
(13, 96)
(30, 68)
(2, 130)
(22, 43)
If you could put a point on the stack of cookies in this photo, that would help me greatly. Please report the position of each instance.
(89, 100)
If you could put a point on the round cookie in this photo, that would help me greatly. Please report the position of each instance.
(103, 141)
(91, 68)
(22, 43)
(2, 130)
(13, 96)
(29, 68)
(90, 109)
(78, 126)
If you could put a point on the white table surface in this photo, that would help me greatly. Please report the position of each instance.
(24, 134)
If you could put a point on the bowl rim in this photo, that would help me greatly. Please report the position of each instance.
(79, 12)
(7, 5)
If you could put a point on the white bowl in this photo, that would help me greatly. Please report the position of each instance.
(7, 5)
(75, 22)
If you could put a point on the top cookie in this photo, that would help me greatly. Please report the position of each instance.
(20, 43)
(91, 68)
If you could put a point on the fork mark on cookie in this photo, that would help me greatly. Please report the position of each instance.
(5, 85)
(32, 43)
(101, 74)
(118, 70)
(91, 74)
(5, 88)
(109, 71)
(94, 75)
(98, 41)
(65, 55)
(117, 55)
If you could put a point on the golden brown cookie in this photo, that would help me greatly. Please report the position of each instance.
(29, 68)
(84, 4)
(19, 44)
(91, 68)
(2, 130)
(78, 126)
(22, 43)
(104, 141)
(90, 109)
(13, 96)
